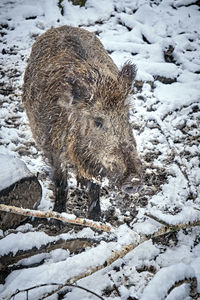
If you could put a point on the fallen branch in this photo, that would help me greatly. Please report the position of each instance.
(54, 215)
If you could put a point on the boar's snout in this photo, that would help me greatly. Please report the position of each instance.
(132, 184)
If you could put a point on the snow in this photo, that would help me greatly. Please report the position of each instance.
(167, 112)
(92, 12)
(169, 275)
(12, 170)
(15, 242)
(171, 97)
(126, 235)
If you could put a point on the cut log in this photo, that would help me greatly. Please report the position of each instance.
(18, 187)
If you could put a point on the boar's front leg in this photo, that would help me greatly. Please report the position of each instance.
(61, 192)
(94, 211)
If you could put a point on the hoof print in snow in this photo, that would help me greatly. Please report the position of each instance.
(18, 187)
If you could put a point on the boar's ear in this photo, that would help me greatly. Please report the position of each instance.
(128, 73)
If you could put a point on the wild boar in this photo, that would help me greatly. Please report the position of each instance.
(76, 101)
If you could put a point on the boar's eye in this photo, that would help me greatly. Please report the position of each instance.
(98, 123)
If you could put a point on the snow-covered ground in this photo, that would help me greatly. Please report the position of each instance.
(163, 39)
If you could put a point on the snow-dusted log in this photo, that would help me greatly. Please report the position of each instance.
(66, 218)
(18, 186)
(73, 245)
(11, 262)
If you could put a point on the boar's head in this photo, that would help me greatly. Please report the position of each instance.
(101, 142)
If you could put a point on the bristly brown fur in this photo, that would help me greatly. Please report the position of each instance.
(75, 96)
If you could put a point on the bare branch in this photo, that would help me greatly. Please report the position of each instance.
(172, 228)
(54, 215)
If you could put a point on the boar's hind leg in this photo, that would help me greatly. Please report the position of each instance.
(94, 211)
(61, 194)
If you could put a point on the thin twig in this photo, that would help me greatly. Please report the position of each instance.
(60, 285)
(31, 288)
(156, 219)
(114, 285)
